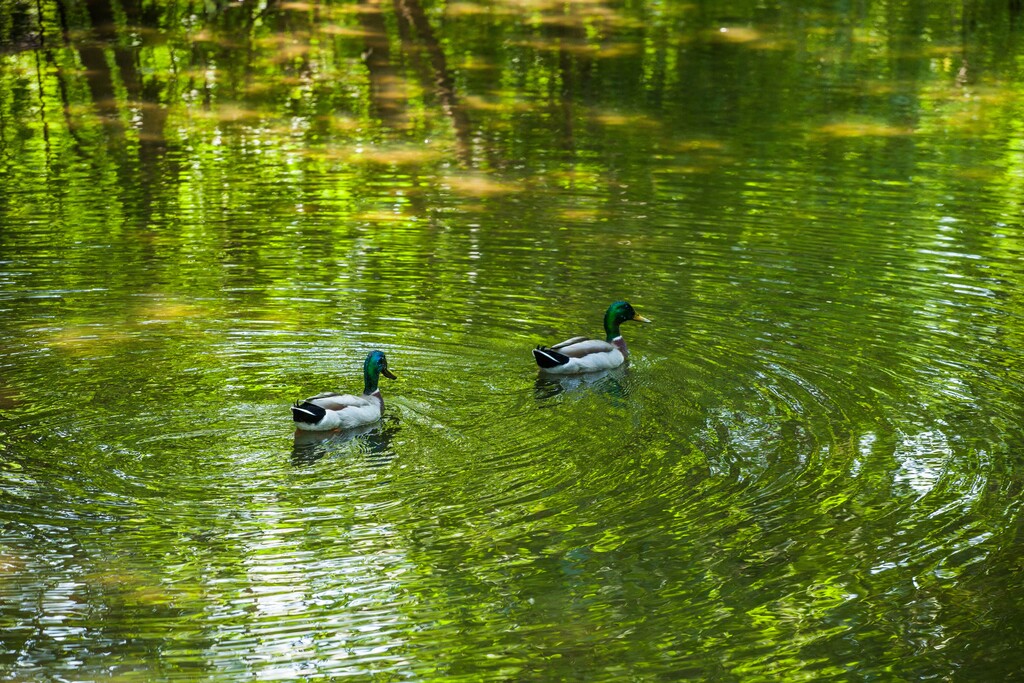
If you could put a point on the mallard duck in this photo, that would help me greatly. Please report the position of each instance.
(345, 411)
(580, 354)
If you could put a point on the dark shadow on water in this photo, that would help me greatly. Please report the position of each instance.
(372, 441)
(610, 382)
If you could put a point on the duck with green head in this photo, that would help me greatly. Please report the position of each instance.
(580, 354)
(344, 411)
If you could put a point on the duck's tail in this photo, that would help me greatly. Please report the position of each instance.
(308, 413)
(547, 358)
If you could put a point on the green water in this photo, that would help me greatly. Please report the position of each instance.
(811, 469)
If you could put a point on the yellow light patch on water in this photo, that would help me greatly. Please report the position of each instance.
(476, 63)
(703, 155)
(383, 216)
(287, 52)
(736, 34)
(9, 398)
(862, 129)
(772, 44)
(992, 96)
(85, 339)
(699, 145)
(151, 107)
(604, 14)
(560, 20)
(77, 35)
(77, 110)
(477, 103)
(541, 44)
(477, 185)
(196, 73)
(480, 104)
(576, 176)
(465, 9)
(686, 169)
(942, 50)
(150, 596)
(105, 105)
(867, 37)
(343, 124)
(134, 589)
(348, 9)
(533, 5)
(615, 50)
(581, 14)
(348, 31)
(111, 578)
(618, 120)
(473, 207)
(580, 214)
(879, 87)
(400, 156)
(328, 153)
(980, 172)
(224, 113)
(203, 36)
(967, 121)
(281, 39)
(169, 310)
(393, 88)
(582, 48)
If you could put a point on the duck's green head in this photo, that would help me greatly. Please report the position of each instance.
(618, 313)
(376, 364)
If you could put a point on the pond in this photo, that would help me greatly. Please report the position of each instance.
(810, 469)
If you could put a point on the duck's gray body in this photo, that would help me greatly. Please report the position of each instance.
(330, 411)
(580, 354)
(337, 411)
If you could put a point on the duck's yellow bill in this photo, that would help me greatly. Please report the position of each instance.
(640, 319)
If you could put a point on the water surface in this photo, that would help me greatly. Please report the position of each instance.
(810, 469)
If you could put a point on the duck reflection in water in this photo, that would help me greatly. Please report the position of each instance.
(611, 382)
(372, 440)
